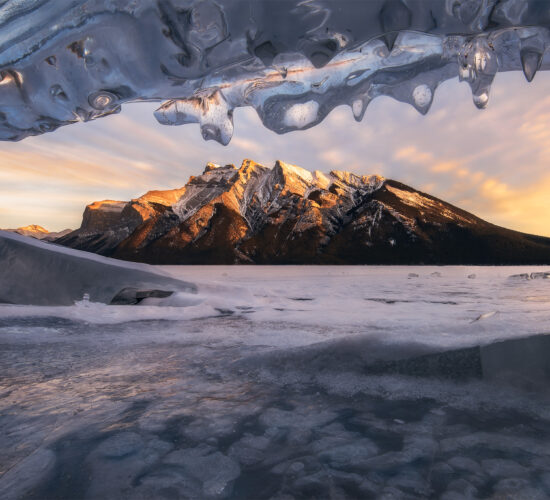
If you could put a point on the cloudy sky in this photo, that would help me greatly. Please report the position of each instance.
(493, 163)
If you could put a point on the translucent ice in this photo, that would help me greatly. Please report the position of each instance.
(293, 61)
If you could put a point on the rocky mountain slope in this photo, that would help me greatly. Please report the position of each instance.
(39, 232)
(288, 215)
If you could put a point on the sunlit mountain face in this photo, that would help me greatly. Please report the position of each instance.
(289, 215)
(292, 61)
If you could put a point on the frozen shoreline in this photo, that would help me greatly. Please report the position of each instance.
(443, 306)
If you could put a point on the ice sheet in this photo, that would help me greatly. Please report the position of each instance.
(445, 306)
(273, 381)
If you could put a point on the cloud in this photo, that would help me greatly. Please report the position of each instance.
(412, 155)
(333, 158)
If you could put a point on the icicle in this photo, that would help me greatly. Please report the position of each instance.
(358, 107)
(530, 61)
(102, 100)
(532, 48)
(478, 65)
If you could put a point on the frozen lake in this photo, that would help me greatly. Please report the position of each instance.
(284, 382)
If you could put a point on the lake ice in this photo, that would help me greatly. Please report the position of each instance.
(284, 382)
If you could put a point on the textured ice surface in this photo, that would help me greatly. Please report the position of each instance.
(293, 61)
(284, 382)
(33, 272)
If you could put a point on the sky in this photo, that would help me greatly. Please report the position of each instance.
(493, 162)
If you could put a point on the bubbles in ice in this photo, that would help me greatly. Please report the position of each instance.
(293, 64)
(422, 96)
(102, 100)
(300, 115)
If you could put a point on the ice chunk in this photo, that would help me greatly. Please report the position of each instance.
(486, 315)
(120, 445)
(521, 276)
(540, 275)
(34, 272)
(215, 470)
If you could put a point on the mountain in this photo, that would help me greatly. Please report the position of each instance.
(288, 215)
(38, 232)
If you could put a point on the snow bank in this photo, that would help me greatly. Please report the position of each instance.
(33, 272)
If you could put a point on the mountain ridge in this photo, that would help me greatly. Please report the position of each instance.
(289, 215)
(38, 232)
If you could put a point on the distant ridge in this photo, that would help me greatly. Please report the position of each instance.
(288, 215)
(38, 232)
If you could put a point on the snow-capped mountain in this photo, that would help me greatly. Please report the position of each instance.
(288, 215)
(39, 232)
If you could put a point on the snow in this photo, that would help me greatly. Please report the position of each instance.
(305, 175)
(414, 199)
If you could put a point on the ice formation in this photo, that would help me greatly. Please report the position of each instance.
(34, 272)
(293, 61)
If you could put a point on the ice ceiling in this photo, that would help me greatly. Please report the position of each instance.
(64, 61)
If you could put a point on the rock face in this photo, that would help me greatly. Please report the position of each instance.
(105, 224)
(288, 215)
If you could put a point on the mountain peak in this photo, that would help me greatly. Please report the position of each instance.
(38, 232)
(214, 166)
(210, 166)
(289, 215)
(289, 169)
(167, 197)
(108, 205)
(34, 228)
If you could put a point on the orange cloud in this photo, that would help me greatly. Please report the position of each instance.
(412, 155)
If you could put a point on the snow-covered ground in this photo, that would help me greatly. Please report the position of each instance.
(284, 382)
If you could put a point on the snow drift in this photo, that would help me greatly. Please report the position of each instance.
(33, 272)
